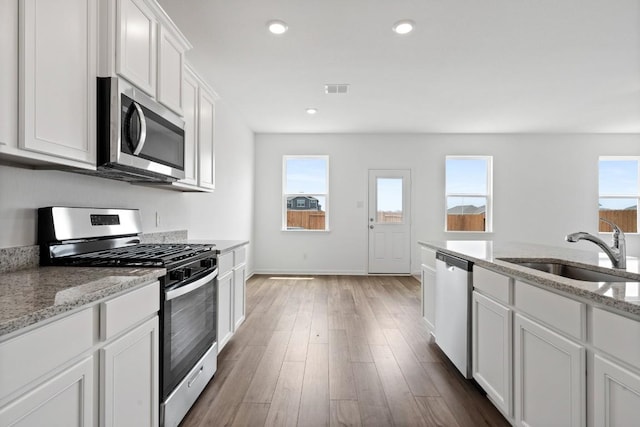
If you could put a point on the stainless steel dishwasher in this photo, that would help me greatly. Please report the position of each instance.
(453, 309)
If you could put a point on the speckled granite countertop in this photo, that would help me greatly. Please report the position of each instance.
(222, 246)
(35, 294)
(620, 296)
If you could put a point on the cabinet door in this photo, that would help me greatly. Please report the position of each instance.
(136, 44)
(170, 71)
(58, 86)
(239, 280)
(206, 152)
(429, 297)
(491, 350)
(549, 377)
(190, 103)
(225, 310)
(129, 378)
(9, 73)
(66, 399)
(616, 396)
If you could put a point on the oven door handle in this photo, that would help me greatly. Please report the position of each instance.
(191, 286)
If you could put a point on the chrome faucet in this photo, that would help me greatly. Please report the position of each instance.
(617, 253)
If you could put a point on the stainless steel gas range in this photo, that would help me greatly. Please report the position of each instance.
(111, 237)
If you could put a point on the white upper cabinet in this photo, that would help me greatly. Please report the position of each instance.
(139, 42)
(206, 151)
(170, 70)
(190, 108)
(136, 33)
(57, 59)
(8, 74)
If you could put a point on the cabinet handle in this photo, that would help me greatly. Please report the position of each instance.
(142, 138)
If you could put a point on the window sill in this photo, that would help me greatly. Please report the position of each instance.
(305, 231)
(469, 232)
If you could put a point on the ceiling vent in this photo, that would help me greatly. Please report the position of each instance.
(336, 88)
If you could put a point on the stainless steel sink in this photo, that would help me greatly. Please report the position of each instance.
(570, 271)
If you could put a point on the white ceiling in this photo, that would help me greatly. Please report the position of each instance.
(470, 65)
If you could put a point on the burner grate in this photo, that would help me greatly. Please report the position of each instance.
(139, 255)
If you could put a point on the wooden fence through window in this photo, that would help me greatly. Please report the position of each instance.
(626, 219)
(466, 222)
(309, 220)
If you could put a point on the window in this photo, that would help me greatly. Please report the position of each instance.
(468, 193)
(618, 193)
(305, 194)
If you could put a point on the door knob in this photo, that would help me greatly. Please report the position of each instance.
(371, 227)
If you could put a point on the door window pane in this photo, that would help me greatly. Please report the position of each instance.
(389, 208)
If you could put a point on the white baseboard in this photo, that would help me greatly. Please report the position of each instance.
(313, 273)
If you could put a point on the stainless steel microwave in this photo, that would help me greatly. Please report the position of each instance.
(138, 139)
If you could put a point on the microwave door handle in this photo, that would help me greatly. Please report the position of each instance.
(143, 130)
(191, 286)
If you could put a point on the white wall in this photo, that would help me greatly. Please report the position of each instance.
(223, 214)
(545, 186)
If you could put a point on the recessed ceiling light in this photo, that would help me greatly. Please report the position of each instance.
(277, 27)
(312, 111)
(403, 27)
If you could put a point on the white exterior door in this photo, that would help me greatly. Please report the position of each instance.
(389, 221)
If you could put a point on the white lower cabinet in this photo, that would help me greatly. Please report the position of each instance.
(616, 394)
(225, 309)
(101, 363)
(549, 377)
(239, 280)
(129, 369)
(232, 277)
(429, 296)
(492, 327)
(64, 400)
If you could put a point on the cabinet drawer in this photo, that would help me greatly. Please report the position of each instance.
(239, 256)
(123, 312)
(557, 311)
(493, 284)
(34, 354)
(225, 263)
(617, 335)
(428, 257)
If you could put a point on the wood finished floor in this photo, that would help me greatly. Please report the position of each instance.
(337, 351)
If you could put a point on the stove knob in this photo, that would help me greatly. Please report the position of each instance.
(207, 263)
(187, 272)
(177, 275)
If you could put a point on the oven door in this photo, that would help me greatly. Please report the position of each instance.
(189, 328)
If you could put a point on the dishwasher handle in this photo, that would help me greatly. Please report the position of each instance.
(454, 261)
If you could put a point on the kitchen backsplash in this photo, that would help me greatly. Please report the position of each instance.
(12, 259)
(19, 258)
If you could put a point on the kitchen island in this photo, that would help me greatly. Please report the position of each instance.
(547, 349)
(623, 296)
